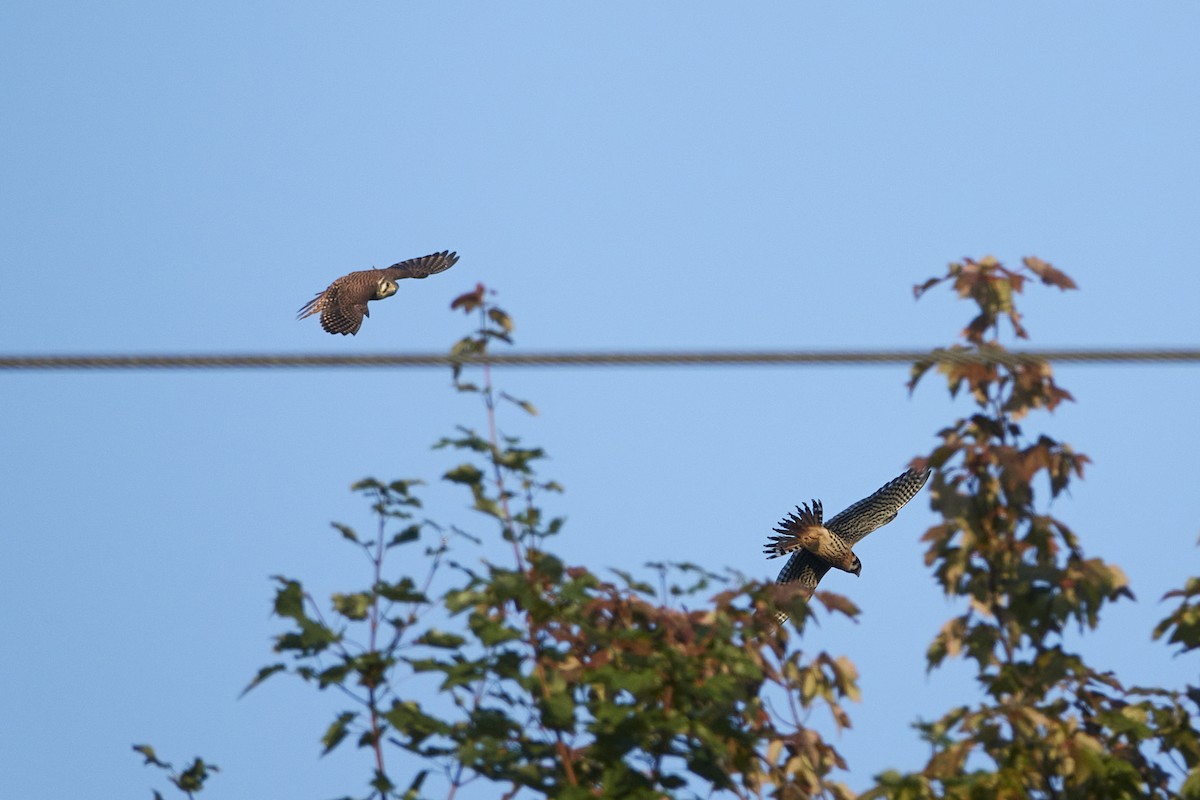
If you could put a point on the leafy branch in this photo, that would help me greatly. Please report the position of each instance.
(1051, 725)
(546, 679)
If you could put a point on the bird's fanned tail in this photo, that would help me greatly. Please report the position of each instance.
(791, 529)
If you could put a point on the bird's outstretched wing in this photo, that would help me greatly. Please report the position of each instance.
(343, 319)
(342, 306)
(422, 267)
(806, 569)
(879, 509)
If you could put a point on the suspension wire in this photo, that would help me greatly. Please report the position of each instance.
(666, 358)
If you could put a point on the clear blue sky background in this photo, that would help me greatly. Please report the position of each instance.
(181, 178)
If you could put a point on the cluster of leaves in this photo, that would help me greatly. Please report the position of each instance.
(541, 677)
(189, 781)
(1051, 726)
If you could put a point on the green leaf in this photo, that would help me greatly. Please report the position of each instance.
(633, 583)
(1191, 786)
(407, 718)
(410, 534)
(466, 474)
(192, 779)
(508, 663)
(151, 758)
(354, 606)
(337, 730)
(414, 789)
(436, 638)
(333, 676)
(346, 531)
(403, 591)
(382, 784)
(500, 318)
(525, 405)
(490, 507)
(558, 711)
(457, 600)
(289, 599)
(492, 333)
(549, 565)
(263, 674)
(492, 632)
(467, 347)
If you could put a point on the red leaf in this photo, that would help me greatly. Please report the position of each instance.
(1049, 275)
(470, 301)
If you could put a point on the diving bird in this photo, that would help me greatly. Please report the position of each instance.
(344, 304)
(815, 545)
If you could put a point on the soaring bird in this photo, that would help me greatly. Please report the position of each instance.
(815, 546)
(344, 304)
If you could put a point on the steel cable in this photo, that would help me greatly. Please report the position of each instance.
(602, 359)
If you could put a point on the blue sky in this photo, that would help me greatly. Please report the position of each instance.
(181, 178)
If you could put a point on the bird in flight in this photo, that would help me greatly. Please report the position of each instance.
(344, 304)
(815, 545)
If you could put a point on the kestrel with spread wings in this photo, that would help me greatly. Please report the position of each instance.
(815, 546)
(344, 304)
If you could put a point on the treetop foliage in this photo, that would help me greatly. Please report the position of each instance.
(476, 655)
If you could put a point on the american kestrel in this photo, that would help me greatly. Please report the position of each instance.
(816, 546)
(344, 304)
